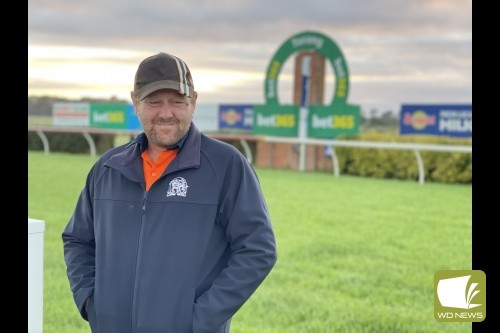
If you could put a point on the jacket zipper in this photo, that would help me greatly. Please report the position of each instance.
(135, 308)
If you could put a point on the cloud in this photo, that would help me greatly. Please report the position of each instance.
(417, 40)
(117, 22)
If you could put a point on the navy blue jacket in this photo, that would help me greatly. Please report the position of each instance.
(181, 257)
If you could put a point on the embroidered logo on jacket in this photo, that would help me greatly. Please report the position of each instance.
(178, 186)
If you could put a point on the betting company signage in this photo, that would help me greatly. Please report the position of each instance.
(108, 115)
(324, 121)
(279, 120)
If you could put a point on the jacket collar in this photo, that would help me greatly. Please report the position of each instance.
(189, 155)
(129, 161)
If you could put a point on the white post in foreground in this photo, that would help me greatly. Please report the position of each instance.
(36, 229)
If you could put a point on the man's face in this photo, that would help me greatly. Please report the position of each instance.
(165, 116)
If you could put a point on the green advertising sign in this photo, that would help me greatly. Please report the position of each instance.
(275, 120)
(341, 114)
(112, 116)
(310, 41)
(329, 122)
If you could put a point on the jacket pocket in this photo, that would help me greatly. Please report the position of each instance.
(92, 316)
(186, 305)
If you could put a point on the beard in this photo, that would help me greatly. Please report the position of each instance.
(167, 132)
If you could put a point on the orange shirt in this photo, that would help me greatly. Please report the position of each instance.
(153, 171)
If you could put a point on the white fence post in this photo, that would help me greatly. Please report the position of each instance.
(246, 148)
(335, 160)
(45, 141)
(91, 143)
(36, 229)
(421, 169)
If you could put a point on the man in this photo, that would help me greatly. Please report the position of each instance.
(171, 232)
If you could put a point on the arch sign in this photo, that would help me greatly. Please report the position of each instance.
(323, 121)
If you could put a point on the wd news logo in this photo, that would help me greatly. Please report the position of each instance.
(460, 296)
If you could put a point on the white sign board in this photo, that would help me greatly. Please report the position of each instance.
(71, 114)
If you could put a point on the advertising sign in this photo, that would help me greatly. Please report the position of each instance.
(339, 117)
(70, 114)
(132, 119)
(235, 117)
(276, 120)
(111, 115)
(441, 120)
(328, 122)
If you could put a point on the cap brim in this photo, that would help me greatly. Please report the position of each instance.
(158, 85)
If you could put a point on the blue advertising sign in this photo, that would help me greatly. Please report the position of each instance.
(132, 119)
(442, 120)
(236, 117)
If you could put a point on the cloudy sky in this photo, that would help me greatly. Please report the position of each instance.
(397, 51)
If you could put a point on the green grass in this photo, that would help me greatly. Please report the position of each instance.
(354, 254)
(40, 120)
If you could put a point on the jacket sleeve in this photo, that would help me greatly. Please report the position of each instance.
(79, 247)
(243, 211)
